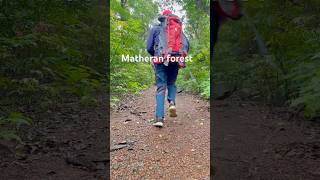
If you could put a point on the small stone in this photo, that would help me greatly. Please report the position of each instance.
(192, 150)
(51, 173)
(117, 147)
(292, 153)
(128, 119)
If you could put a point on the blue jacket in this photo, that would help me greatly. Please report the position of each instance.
(153, 41)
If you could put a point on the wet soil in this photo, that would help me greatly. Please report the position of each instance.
(252, 141)
(67, 142)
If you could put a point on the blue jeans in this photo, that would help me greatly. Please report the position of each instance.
(166, 77)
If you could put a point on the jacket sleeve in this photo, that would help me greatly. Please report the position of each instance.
(150, 42)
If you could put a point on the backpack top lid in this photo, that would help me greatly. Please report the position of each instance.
(228, 8)
(167, 13)
(163, 18)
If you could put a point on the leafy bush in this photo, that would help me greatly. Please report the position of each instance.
(128, 35)
(196, 76)
(49, 49)
(14, 119)
(273, 50)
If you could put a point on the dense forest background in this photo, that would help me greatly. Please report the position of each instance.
(49, 50)
(53, 49)
(130, 25)
(272, 55)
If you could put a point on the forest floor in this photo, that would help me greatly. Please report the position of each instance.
(256, 142)
(251, 141)
(68, 142)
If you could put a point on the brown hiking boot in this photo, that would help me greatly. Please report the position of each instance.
(172, 110)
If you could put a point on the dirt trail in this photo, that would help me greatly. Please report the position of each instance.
(180, 150)
(250, 142)
(254, 142)
(68, 142)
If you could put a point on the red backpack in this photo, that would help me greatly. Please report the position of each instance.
(228, 8)
(171, 38)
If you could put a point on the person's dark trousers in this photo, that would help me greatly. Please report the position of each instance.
(166, 77)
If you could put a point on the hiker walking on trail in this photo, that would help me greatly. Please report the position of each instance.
(165, 41)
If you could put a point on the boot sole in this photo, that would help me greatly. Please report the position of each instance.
(173, 112)
(158, 124)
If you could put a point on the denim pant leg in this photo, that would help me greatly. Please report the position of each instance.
(161, 81)
(172, 73)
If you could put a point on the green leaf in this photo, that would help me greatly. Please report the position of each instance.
(9, 135)
(18, 119)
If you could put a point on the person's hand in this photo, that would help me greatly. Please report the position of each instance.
(182, 65)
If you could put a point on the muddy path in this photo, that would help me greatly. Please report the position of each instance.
(66, 142)
(251, 141)
(180, 150)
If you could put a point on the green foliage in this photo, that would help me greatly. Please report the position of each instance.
(128, 36)
(14, 119)
(196, 77)
(17, 119)
(288, 74)
(305, 85)
(129, 28)
(205, 89)
(88, 101)
(9, 135)
(48, 50)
